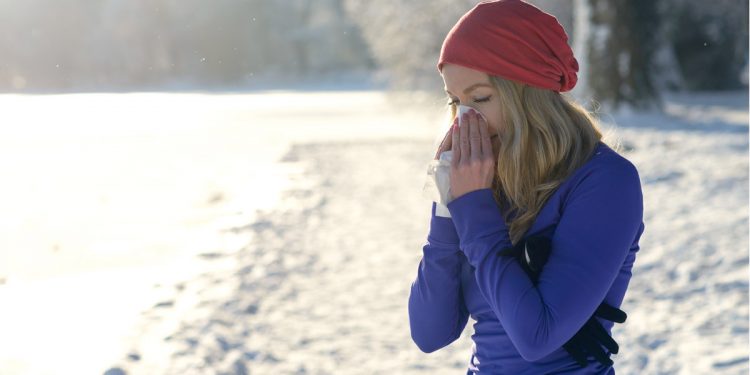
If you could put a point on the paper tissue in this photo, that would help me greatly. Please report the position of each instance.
(437, 185)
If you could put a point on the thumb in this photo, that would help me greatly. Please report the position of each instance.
(446, 144)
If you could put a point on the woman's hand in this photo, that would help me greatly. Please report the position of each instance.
(473, 164)
(446, 143)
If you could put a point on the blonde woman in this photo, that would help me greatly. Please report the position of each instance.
(545, 218)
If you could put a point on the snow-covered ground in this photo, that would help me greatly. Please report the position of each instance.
(111, 202)
(279, 233)
(687, 302)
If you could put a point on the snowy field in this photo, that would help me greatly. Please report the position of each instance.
(280, 232)
(112, 202)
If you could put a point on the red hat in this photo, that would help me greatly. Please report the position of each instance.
(514, 40)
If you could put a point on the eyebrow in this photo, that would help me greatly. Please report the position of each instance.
(472, 87)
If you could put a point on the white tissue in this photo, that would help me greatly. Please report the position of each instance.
(461, 110)
(437, 185)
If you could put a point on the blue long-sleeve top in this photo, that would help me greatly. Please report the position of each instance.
(594, 220)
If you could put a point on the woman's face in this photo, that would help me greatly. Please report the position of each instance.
(473, 88)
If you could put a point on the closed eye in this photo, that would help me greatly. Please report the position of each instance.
(482, 100)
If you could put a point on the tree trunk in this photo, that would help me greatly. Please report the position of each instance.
(621, 45)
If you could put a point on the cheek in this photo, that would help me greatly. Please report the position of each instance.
(493, 119)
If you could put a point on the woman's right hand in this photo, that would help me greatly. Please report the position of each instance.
(447, 143)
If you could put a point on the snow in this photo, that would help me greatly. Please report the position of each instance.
(279, 232)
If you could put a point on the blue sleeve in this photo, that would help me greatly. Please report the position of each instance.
(437, 312)
(597, 226)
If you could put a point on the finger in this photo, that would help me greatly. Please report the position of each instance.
(464, 138)
(475, 138)
(610, 313)
(592, 347)
(484, 131)
(445, 144)
(574, 349)
(454, 145)
(602, 336)
(449, 135)
(441, 147)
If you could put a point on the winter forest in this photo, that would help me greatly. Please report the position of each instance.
(238, 186)
(632, 49)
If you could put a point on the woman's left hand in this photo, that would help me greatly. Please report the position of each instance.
(473, 164)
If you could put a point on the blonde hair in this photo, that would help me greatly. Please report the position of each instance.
(545, 137)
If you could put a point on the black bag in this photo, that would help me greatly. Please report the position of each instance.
(532, 253)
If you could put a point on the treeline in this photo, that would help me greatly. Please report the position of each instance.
(136, 44)
(630, 49)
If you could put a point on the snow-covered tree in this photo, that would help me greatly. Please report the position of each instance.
(405, 37)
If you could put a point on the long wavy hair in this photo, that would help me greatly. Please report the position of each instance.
(547, 136)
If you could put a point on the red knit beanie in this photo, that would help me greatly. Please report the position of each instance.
(514, 40)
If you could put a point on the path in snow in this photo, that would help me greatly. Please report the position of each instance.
(322, 288)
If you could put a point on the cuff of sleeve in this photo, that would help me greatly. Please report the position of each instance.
(442, 230)
(476, 216)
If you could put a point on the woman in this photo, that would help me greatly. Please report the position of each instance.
(529, 163)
